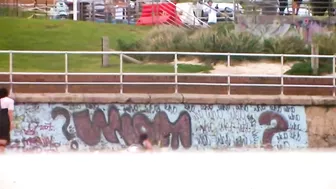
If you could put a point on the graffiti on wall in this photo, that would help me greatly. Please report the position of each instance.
(305, 27)
(73, 127)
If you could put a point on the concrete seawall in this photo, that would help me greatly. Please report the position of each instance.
(85, 122)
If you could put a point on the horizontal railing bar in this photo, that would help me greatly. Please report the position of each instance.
(59, 73)
(226, 54)
(312, 86)
(92, 83)
(279, 85)
(254, 85)
(34, 83)
(201, 74)
(148, 83)
(204, 84)
(37, 73)
(62, 83)
(149, 74)
(83, 74)
(120, 82)
(63, 52)
(88, 83)
(165, 53)
(226, 75)
(308, 76)
(247, 75)
(168, 83)
(170, 74)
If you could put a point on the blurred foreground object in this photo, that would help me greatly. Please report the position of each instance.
(290, 170)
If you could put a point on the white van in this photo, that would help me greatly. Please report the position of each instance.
(224, 6)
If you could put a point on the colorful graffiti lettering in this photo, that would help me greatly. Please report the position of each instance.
(36, 143)
(89, 131)
(61, 127)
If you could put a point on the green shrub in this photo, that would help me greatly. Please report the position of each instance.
(304, 68)
(286, 45)
(223, 27)
(205, 40)
(128, 46)
(326, 43)
(165, 38)
(223, 38)
(242, 42)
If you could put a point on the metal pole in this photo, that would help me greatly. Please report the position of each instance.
(229, 79)
(75, 9)
(229, 60)
(121, 73)
(282, 79)
(66, 72)
(11, 72)
(334, 62)
(175, 71)
(229, 84)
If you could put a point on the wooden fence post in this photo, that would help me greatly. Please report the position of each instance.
(105, 47)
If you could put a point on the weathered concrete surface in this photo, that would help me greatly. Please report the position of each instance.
(170, 88)
(174, 98)
(321, 122)
(320, 110)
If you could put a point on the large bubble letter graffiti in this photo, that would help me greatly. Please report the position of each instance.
(86, 127)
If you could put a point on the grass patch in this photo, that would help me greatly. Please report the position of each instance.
(60, 35)
(66, 35)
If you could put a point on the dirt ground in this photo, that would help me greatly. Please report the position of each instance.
(252, 68)
(245, 67)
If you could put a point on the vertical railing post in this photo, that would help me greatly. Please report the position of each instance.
(334, 82)
(282, 79)
(121, 73)
(175, 71)
(66, 64)
(11, 72)
(229, 78)
(229, 60)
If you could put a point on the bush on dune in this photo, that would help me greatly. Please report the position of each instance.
(223, 38)
(285, 45)
(326, 43)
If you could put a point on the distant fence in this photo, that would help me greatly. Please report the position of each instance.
(9, 8)
(107, 11)
(199, 83)
(25, 8)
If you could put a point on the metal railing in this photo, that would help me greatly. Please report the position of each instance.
(189, 19)
(176, 75)
(285, 7)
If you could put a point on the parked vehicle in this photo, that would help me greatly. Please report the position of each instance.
(223, 7)
(59, 11)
